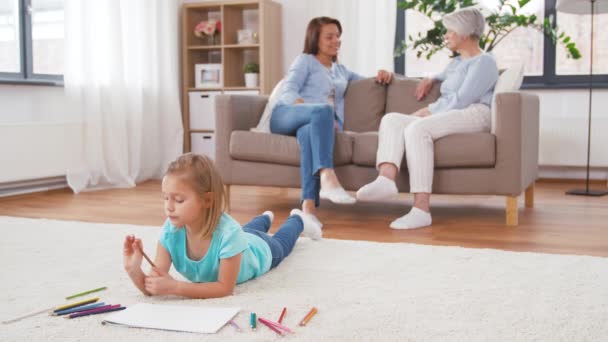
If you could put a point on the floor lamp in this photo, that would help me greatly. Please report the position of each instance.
(586, 7)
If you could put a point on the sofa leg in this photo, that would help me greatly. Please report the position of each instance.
(227, 191)
(530, 196)
(512, 211)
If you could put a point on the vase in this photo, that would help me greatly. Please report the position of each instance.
(251, 80)
(213, 39)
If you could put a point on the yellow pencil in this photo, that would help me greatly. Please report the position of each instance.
(73, 305)
(308, 316)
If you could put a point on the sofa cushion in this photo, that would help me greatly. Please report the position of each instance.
(457, 150)
(364, 105)
(400, 96)
(282, 149)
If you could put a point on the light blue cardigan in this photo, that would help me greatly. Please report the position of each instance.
(310, 80)
(466, 81)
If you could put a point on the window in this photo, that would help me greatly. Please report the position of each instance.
(546, 65)
(31, 41)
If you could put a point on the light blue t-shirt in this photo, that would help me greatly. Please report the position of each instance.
(310, 80)
(465, 82)
(227, 240)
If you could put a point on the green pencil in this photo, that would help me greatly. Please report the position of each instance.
(86, 292)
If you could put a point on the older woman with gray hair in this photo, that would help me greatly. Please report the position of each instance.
(463, 107)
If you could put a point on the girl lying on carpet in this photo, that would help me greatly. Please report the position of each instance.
(206, 245)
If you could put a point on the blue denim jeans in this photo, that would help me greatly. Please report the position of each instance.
(313, 125)
(282, 242)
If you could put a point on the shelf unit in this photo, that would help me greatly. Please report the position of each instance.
(260, 16)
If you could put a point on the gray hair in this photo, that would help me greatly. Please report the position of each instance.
(467, 22)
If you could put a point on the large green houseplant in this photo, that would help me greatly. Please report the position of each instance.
(500, 24)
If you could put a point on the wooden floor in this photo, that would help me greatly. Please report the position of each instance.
(557, 224)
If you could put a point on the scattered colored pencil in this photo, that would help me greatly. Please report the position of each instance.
(236, 326)
(253, 320)
(86, 293)
(275, 324)
(271, 327)
(99, 310)
(31, 314)
(308, 316)
(146, 256)
(78, 309)
(73, 305)
(282, 315)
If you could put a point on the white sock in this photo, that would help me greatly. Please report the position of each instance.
(380, 188)
(416, 218)
(270, 215)
(312, 227)
(337, 195)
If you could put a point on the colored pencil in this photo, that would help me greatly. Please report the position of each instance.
(253, 320)
(146, 256)
(275, 324)
(86, 293)
(236, 326)
(78, 309)
(271, 327)
(31, 314)
(308, 316)
(282, 315)
(73, 305)
(99, 310)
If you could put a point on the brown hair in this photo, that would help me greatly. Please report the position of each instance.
(313, 31)
(200, 172)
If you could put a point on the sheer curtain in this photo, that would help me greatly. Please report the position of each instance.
(121, 80)
(368, 38)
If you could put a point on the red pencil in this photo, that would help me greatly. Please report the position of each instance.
(271, 327)
(282, 315)
(275, 324)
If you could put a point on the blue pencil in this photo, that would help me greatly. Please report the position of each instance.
(80, 308)
(97, 311)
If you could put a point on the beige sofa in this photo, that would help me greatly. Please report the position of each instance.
(504, 163)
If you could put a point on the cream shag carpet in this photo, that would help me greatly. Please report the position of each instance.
(364, 291)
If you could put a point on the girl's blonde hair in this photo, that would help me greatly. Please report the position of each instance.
(200, 172)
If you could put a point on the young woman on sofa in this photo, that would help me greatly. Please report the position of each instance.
(311, 107)
(463, 107)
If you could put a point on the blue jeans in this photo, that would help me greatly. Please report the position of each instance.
(313, 125)
(282, 242)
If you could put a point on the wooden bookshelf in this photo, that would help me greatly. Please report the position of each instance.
(261, 16)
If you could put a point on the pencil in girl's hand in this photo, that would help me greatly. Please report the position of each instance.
(146, 256)
(308, 316)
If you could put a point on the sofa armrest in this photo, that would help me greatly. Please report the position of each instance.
(234, 113)
(517, 138)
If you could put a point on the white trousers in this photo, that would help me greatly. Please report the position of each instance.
(414, 136)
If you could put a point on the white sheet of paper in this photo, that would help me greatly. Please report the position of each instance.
(195, 319)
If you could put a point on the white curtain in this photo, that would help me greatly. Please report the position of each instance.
(121, 79)
(368, 38)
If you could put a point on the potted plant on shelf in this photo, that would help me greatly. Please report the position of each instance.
(251, 74)
(209, 30)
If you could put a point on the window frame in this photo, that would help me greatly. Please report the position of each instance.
(26, 75)
(549, 79)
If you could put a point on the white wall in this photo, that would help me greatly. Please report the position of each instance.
(32, 126)
(36, 139)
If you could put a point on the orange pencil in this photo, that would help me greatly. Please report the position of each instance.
(282, 315)
(308, 316)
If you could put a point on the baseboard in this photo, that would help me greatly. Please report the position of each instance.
(34, 185)
(572, 172)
